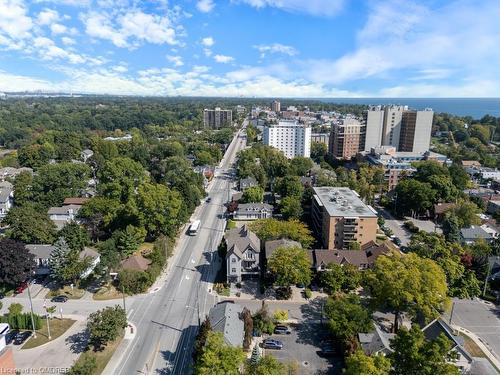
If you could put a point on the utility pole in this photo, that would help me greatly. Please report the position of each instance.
(486, 279)
(48, 326)
(451, 314)
(31, 308)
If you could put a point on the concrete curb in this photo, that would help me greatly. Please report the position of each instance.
(487, 351)
(116, 358)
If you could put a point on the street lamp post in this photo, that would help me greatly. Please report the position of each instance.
(31, 308)
(48, 326)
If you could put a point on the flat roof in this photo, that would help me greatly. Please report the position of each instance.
(342, 201)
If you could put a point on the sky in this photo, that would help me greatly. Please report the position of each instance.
(252, 48)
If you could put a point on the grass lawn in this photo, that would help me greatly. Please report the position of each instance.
(102, 358)
(74, 293)
(107, 292)
(57, 328)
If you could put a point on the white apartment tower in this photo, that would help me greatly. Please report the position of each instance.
(290, 137)
(276, 106)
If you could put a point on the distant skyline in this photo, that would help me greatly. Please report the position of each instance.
(262, 48)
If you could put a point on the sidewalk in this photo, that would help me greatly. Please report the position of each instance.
(491, 357)
(120, 351)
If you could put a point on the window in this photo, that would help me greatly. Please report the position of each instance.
(233, 260)
(233, 270)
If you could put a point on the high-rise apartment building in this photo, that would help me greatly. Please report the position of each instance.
(275, 106)
(347, 138)
(339, 217)
(290, 137)
(217, 118)
(397, 126)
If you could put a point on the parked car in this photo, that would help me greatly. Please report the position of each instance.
(397, 241)
(300, 286)
(59, 299)
(208, 200)
(282, 330)
(21, 288)
(2, 296)
(21, 337)
(272, 344)
(328, 351)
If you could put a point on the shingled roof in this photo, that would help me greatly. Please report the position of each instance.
(239, 239)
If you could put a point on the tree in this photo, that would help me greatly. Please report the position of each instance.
(159, 208)
(75, 236)
(299, 166)
(332, 278)
(459, 176)
(414, 196)
(219, 358)
(119, 178)
(267, 365)
(85, 365)
(280, 315)
(347, 317)
(246, 316)
(359, 363)
(65, 263)
(127, 241)
(105, 326)
(318, 151)
(451, 227)
(291, 207)
(290, 186)
(290, 265)
(98, 215)
(407, 284)
(414, 355)
(35, 155)
(16, 263)
(466, 213)
(23, 187)
(201, 339)
(253, 194)
(29, 225)
(273, 229)
(15, 308)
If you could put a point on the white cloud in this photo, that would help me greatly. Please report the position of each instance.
(131, 28)
(207, 52)
(208, 41)
(47, 16)
(223, 59)
(205, 6)
(276, 48)
(324, 8)
(58, 28)
(14, 21)
(68, 41)
(176, 60)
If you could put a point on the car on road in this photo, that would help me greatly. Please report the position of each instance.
(282, 330)
(2, 296)
(21, 287)
(208, 200)
(272, 344)
(59, 299)
(21, 337)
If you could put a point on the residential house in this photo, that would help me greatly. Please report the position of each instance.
(470, 235)
(245, 183)
(362, 259)
(470, 163)
(376, 342)
(438, 327)
(440, 210)
(63, 215)
(6, 198)
(86, 154)
(94, 258)
(42, 255)
(225, 317)
(493, 207)
(253, 211)
(75, 201)
(494, 264)
(243, 253)
(9, 172)
(271, 246)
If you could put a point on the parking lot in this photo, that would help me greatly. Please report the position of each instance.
(303, 346)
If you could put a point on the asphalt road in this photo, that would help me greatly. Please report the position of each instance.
(167, 321)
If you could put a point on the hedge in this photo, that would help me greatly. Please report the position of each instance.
(21, 321)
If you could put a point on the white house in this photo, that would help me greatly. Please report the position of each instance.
(94, 258)
(63, 215)
(6, 198)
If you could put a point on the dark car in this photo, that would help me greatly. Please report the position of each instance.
(208, 200)
(272, 344)
(21, 288)
(282, 330)
(59, 299)
(21, 337)
(397, 241)
(2, 296)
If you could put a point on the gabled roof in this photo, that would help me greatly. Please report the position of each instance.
(239, 239)
(6, 189)
(376, 341)
(40, 251)
(475, 232)
(441, 208)
(438, 326)
(88, 252)
(225, 318)
(75, 201)
(366, 256)
(252, 207)
(64, 210)
(274, 244)
(135, 263)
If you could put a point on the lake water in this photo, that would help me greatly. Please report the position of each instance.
(474, 107)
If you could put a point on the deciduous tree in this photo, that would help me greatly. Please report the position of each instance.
(359, 363)
(217, 357)
(16, 263)
(105, 326)
(290, 265)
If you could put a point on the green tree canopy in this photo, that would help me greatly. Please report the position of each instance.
(407, 284)
(16, 263)
(267, 365)
(359, 363)
(105, 326)
(291, 207)
(30, 225)
(119, 178)
(253, 194)
(290, 265)
(273, 229)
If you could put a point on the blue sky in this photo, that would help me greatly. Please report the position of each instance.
(264, 48)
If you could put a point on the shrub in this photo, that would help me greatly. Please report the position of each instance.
(86, 365)
(262, 322)
(133, 282)
(281, 315)
(105, 326)
(307, 293)
(22, 321)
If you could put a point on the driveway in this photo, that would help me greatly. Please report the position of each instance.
(481, 318)
(396, 226)
(302, 346)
